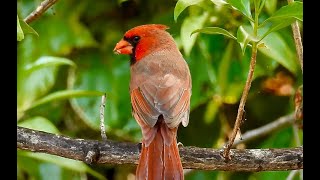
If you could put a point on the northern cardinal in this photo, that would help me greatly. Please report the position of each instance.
(160, 90)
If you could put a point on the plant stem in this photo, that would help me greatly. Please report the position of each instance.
(242, 102)
(102, 107)
(297, 40)
(236, 128)
(39, 10)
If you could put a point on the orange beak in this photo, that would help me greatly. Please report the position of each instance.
(123, 47)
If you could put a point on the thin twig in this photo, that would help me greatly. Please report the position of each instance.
(116, 153)
(102, 107)
(40, 10)
(297, 39)
(276, 125)
(242, 103)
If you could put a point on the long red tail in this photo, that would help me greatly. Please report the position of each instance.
(160, 160)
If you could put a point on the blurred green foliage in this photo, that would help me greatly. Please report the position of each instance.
(65, 63)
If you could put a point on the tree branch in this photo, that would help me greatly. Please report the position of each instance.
(111, 152)
(278, 124)
(40, 10)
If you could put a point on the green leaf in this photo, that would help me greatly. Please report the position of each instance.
(214, 30)
(220, 2)
(20, 34)
(27, 166)
(36, 79)
(189, 24)
(224, 69)
(243, 6)
(40, 170)
(200, 78)
(182, 5)
(46, 61)
(39, 123)
(285, 16)
(35, 169)
(32, 85)
(274, 27)
(65, 94)
(278, 49)
(70, 164)
(244, 36)
(27, 29)
(271, 6)
(292, 10)
(211, 110)
(203, 44)
(68, 34)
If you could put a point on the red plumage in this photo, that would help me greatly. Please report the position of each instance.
(160, 90)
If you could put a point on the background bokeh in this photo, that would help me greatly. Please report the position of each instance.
(72, 55)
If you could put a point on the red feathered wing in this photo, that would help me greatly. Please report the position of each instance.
(160, 97)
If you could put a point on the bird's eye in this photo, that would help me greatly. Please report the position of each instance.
(136, 39)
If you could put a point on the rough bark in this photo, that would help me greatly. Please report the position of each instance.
(111, 152)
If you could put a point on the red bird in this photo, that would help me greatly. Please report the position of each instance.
(160, 90)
